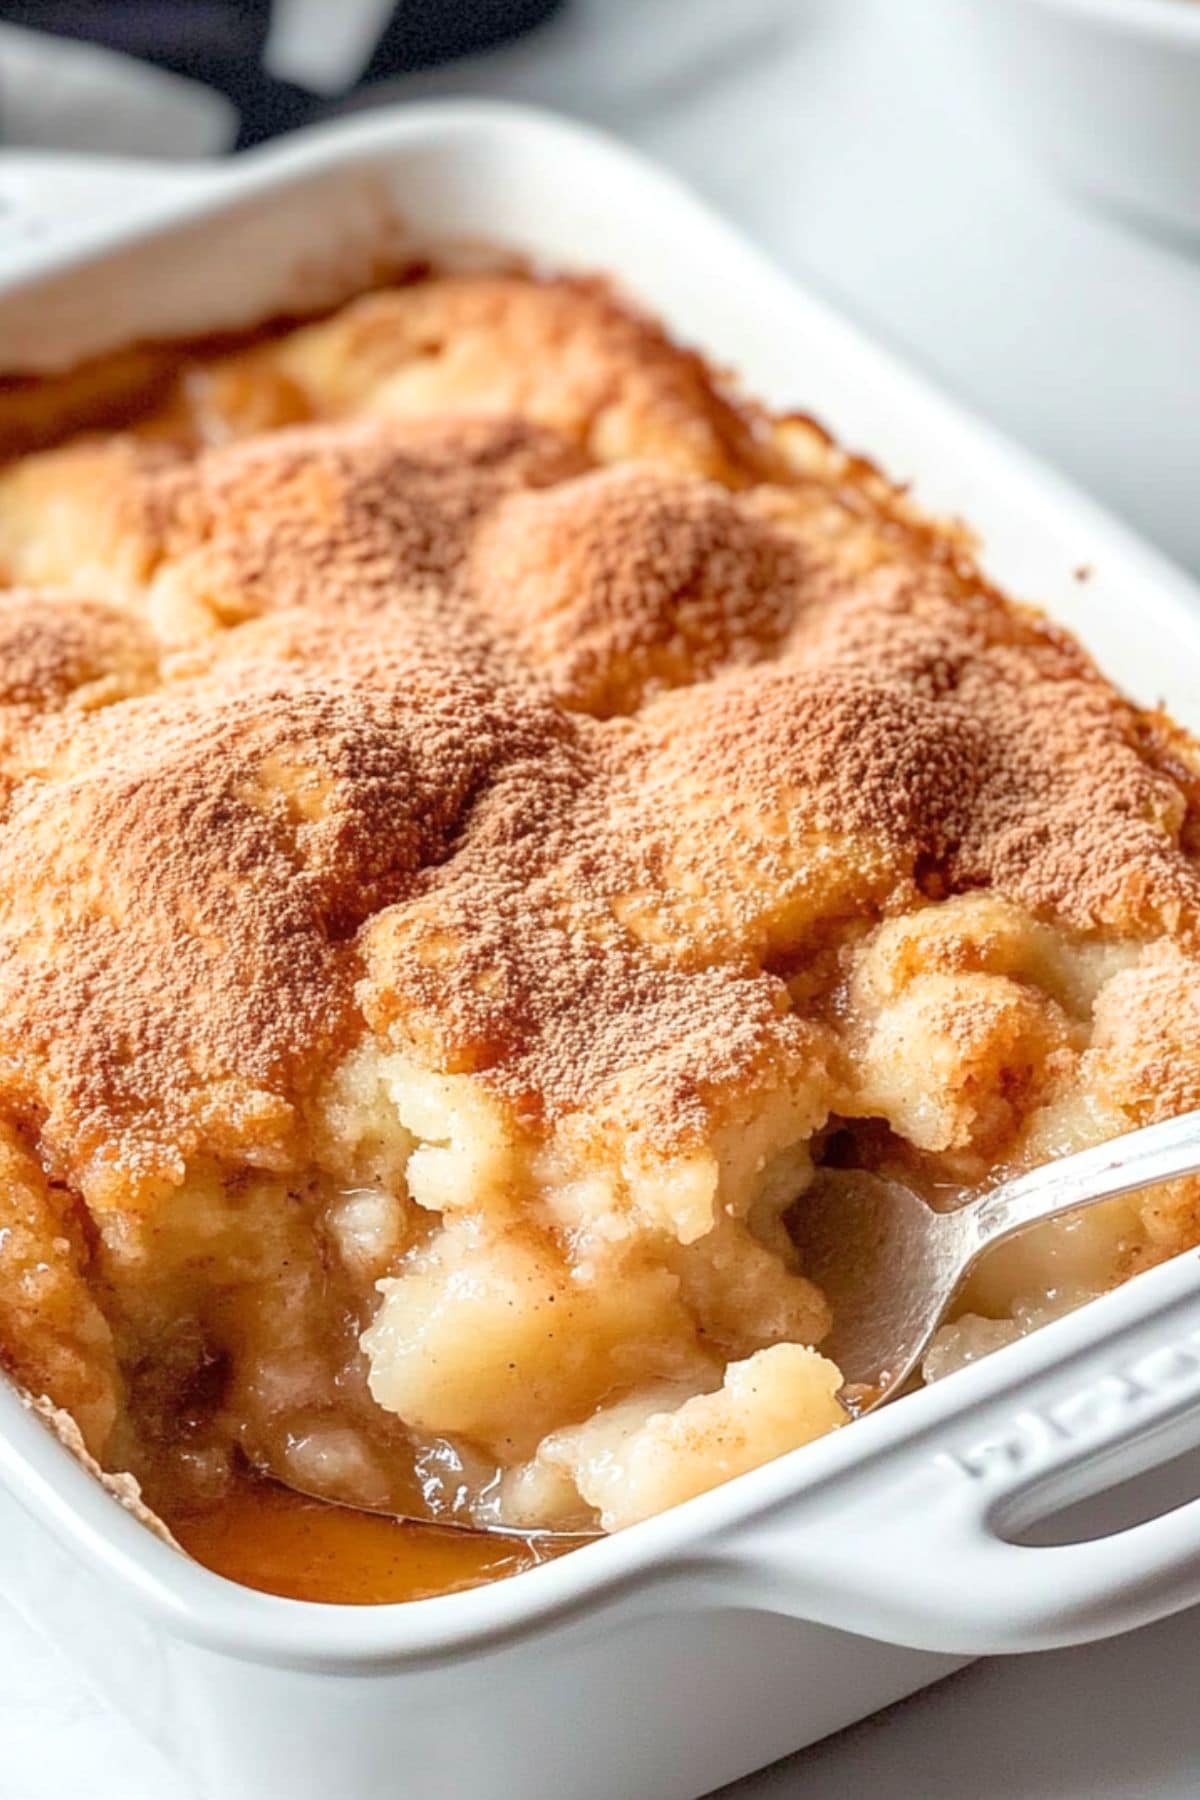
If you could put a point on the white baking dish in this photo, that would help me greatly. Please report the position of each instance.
(1107, 90)
(693, 1648)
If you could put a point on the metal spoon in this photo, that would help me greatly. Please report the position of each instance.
(889, 1266)
(407, 1499)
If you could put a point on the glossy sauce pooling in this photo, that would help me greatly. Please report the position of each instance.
(281, 1543)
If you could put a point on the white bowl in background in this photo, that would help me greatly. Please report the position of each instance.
(1107, 90)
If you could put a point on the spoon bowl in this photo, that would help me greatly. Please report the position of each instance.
(887, 1264)
(890, 1265)
(411, 1512)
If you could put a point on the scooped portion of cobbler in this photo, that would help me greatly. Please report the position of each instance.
(485, 814)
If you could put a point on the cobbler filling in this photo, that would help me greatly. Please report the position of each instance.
(487, 815)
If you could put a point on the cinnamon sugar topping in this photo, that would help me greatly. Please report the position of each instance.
(436, 728)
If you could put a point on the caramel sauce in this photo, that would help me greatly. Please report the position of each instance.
(281, 1543)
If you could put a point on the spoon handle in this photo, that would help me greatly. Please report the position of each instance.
(1138, 1159)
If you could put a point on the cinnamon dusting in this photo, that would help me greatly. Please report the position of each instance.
(534, 764)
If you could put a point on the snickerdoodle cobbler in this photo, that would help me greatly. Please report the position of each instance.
(486, 813)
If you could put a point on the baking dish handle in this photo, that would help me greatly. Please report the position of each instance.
(914, 1543)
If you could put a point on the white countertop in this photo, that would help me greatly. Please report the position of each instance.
(844, 135)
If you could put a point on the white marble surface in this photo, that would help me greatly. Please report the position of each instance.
(847, 137)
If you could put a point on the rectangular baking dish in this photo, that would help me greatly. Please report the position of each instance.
(718, 1637)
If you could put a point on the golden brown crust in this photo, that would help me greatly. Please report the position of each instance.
(631, 581)
(58, 649)
(52, 1333)
(563, 353)
(1143, 1053)
(550, 771)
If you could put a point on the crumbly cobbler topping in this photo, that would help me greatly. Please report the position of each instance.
(485, 811)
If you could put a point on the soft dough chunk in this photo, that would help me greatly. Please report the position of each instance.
(497, 1340)
(633, 1460)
